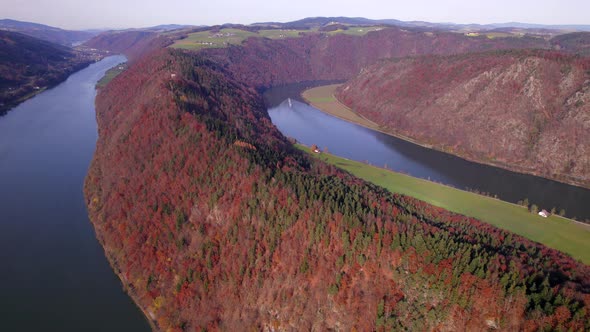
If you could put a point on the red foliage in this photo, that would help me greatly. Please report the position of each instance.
(208, 234)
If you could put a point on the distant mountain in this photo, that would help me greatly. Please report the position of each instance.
(581, 27)
(29, 65)
(45, 32)
(169, 27)
(311, 22)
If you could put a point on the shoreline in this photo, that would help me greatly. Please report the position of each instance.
(511, 168)
(508, 216)
(447, 186)
(126, 286)
(10, 105)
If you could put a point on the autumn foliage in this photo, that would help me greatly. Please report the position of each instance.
(208, 234)
(263, 62)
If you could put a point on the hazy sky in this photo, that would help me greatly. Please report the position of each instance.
(83, 14)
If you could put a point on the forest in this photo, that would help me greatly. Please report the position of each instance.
(525, 110)
(28, 64)
(214, 221)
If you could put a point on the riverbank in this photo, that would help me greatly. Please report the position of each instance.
(47, 145)
(111, 74)
(323, 99)
(563, 234)
(125, 284)
(13, 97)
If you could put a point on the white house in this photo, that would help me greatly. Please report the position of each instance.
(544, 213)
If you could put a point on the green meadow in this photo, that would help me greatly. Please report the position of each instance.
(110, 74)
(556, 232)
(225, 37)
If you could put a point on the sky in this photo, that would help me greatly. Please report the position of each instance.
(83, 14)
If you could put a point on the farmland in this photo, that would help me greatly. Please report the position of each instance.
(230, 36)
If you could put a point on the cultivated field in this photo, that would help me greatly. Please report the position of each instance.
(225, 37)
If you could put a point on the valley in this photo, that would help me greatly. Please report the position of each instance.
(29, 66)
(214, 214)
(202, 205)
(544, 193)
(525, 111)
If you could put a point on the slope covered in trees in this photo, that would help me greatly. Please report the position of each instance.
(45, 32)
(264, 62)
(575, 42)
(28, 65)
(214, 221)
(133, 43)
(523, 110)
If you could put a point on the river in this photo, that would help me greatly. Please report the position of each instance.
(54, 275)
(311, 126)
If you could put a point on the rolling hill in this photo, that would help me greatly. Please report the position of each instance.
(523, 110)
(314, 22)
(45, 32)
(132, 43)
(575, 42)
(29, 65)
(214, 221)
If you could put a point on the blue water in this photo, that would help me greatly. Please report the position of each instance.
(311, 126)
(54, 275)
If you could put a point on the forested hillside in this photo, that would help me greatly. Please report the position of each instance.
(45, 32)
(527, 111)
(28, 65)
(131, 43)
(214, 221)
(264, 62)
(575, 42)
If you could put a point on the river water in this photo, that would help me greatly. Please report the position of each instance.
(311, 126)
(54, 275)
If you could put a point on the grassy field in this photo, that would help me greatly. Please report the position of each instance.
(355, 31)
(556, 232)
(209, 39)
(322, 98)
(110, 74)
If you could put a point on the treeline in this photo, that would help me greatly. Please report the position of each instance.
(215, 235)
